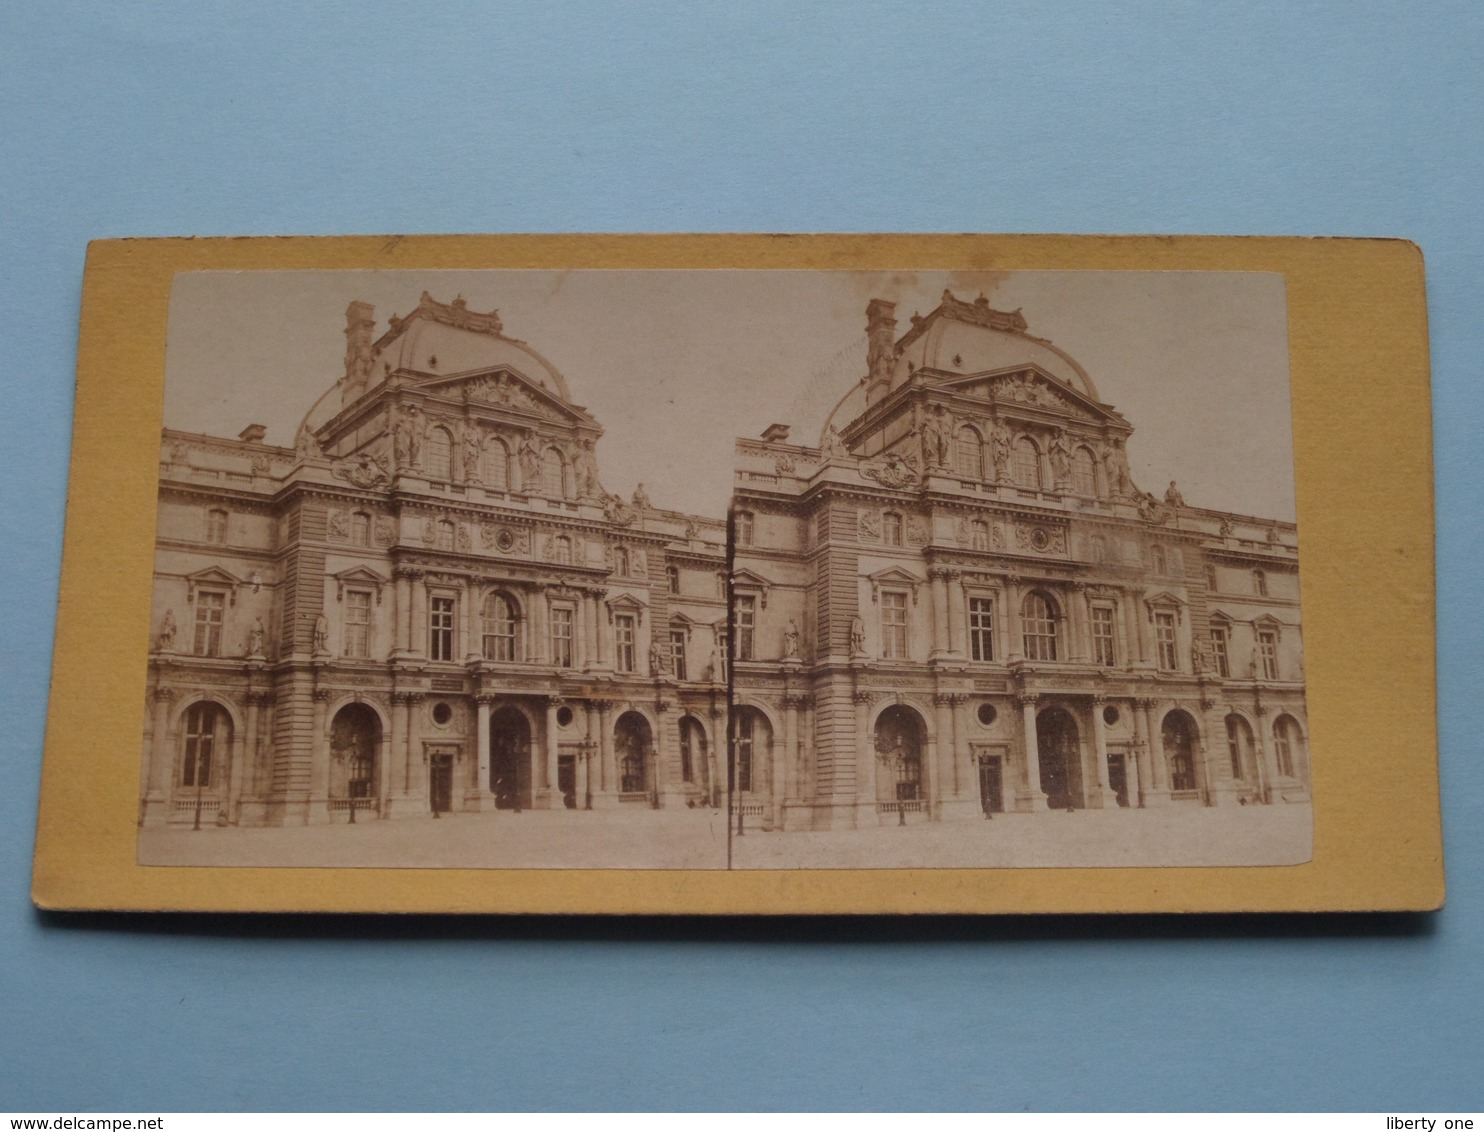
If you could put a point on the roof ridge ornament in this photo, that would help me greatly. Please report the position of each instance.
(458, 314)
(980, 313)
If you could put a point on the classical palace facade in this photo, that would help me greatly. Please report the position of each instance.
(960, 603)
(428, 604)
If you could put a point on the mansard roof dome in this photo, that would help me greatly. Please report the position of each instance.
(447, 339)
(967, 338)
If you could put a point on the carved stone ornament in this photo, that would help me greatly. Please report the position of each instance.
(464, 542)
(339, 526)
(1041, 540)
(619, 513)
(870, 525)
(259, 463)
(364, 470)
(1028, 389)
(893, 470)
(165, 640)
(386, 531)
(784, 464)
(430, 533)
(916, 532)
(961, 531)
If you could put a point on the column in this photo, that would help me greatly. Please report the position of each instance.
(412, 774)
(785, 762)
(538, 630)
(600, 640)
(482, 748)
(1134, 644)
(931, 802)
(963, 773)
(607, 787)
(1146, 639)
(1105, 798)
(161, 760)
(663, 779)
(1152, 768)
(946, 774)
(1030, 795)
(1267, 758)
(584, 764)
(402, 613)
(1012, 608)
(251, 787)
(473, 639)
(384, 771)
(937, 580)
(319, 763)
(418, 645)
(714, 749)
(394, 770)
(1078, 603)
(240, 756)
(549, 763)
(1218, 781)
(865, 759)
(580, 654)
(958, 617)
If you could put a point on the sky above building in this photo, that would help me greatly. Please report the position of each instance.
(676, 364)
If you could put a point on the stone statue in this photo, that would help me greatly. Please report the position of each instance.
(1226, 528)
(530, 463)
(791, 639)
(641, 498)
(307, 445)
(830, 447)
(934, 439)
(255, 637)
(1173, 496)
(1061, 459)
(321, 635)
(165, 642)
(999, 450)
(657, 665)
(404, 438)
(857, 636)
(584, 471)
(1196, 663)
(1115, 462)
(472, 452)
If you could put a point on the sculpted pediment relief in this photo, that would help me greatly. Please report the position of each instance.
(1030, 388)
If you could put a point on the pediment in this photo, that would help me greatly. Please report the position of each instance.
(213, 577)
(893, 577)
(751, 580)
(358, 577)
(1168, 601)
(504, 389)
(1032, 388)
(1266, 621)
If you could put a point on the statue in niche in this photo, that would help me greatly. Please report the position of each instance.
(472, 451)
(1061, 459)
(165, 640)
(935, 438)
(657, 665)
(255, 638)
(321, 635)
(999, 451)
(791, 639)
(530, 462)
(1173, 496)
(857, 636)
(584, 471)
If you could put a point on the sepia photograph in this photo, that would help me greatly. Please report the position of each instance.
(470, 569)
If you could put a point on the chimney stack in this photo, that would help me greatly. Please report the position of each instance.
(253, 433)
(881, 348)
(359, 326)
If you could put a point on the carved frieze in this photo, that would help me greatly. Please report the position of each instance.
(385, 532)
(1039, 539)
(870, 526)
(893, 470)
(364, 470)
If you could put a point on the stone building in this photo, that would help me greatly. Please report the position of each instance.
(428, 604)
(961, 603)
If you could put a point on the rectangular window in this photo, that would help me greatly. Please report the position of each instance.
(1164, 633)
(561, 637)
(981, 628)
(216, 526)
(744, 528)
(722, 652)
(672, 578)
(746, 626)
(211, 609)
(1211, 578)
(623, 638)
(677, 653)
(1104, 650)
(891, 529)
(1267, 647)
(357, 623)
(440, 628)
(894, 626)
(1219, 651)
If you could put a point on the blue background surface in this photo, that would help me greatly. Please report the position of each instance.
(128, 119)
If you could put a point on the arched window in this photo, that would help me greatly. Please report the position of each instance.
(1238, 746)
(753, 741)
(439, 462)
(497, 466)
(968, 454)
(891, 528)
(1039, 623)
(1285, 745)
(207, 732)
(553, 474)
(1084, 473)
(499, 624)
(1178, 737)
(1259, 583)
(445, 534)
(981, 534)
(1027, 463)
(360, 528)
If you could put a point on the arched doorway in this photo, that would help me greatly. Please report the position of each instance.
(752, 750)
(355, 740)
(1240, 751)
(510, 759)
(1060, 759)
(633, 748)
(1178, 735)
(205, 763)
(899, 742)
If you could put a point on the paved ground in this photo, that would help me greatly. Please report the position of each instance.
(697, 839)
